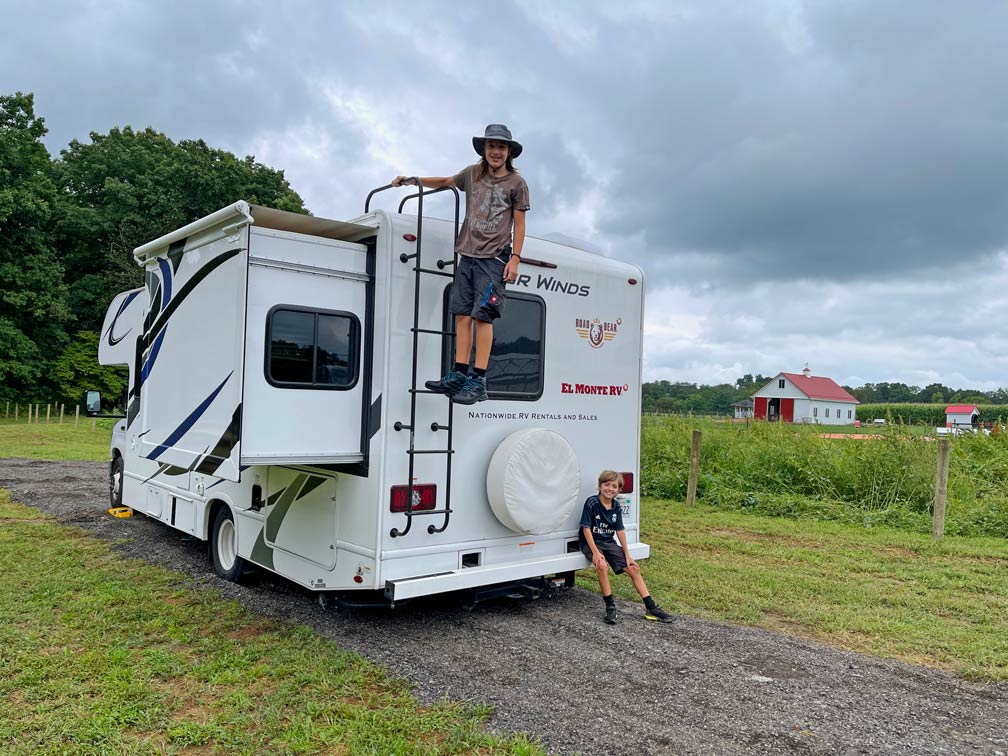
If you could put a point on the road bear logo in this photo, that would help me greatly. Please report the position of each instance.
(596, 331)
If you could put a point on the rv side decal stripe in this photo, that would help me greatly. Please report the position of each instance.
(112, 341)
(261, 553)
(375, 416)
(175, 250)
(276, 516)
(313, 482)
(149, 364)
(225, 444)
(165, 279)
(187, 289)
(188, 422)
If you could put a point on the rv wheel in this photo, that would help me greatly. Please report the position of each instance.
(224, 547)
(115, 482)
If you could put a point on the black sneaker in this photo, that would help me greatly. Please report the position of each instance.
(656, 613)
(450, 385)
(473, 391)
(610, 615)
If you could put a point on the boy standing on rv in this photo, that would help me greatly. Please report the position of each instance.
(497, 199)
(601, 524)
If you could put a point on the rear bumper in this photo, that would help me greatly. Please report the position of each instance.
(475, 577)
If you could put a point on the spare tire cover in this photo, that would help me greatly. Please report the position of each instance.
(534, 481)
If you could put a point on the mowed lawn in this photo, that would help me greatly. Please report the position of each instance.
(890, 593)
(101, 655)
(56, 441)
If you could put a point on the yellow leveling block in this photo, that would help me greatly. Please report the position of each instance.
(121, 512)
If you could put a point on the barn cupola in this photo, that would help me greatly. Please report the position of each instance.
(805, 371)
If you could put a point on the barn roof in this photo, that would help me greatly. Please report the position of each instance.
(961, 409)
(819, 387)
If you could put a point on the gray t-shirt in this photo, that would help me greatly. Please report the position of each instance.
(490, 206)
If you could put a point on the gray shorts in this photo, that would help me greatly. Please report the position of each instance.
(478, 289)
(612, 552)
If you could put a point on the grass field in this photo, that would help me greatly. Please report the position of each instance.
(788, 470)
(101, 656)
(882, 592)
(56, 441)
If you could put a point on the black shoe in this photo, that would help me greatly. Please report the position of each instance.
(610, 615)
(473, 391)
(449, 385)
(656, 613)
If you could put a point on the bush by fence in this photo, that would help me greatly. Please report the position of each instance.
(787, 470)
(924, 414)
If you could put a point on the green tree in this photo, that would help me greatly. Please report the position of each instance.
(128, 187)
(33, 309)
(76, 370)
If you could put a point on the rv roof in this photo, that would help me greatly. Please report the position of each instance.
(242, 213)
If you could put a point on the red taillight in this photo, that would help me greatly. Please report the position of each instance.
(424, 497)
(627, 483)
(409, 237)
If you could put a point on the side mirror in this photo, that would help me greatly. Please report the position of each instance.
(92, 402)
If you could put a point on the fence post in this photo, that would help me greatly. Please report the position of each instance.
(62, 406)
(76, 415)
(93, 421)
(47, 408)
(7, 411)
(37, 408)
(694, 469)
(17, 410)
(941, 489)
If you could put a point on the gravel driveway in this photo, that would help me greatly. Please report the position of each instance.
(552, 668)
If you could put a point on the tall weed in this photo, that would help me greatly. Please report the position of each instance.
(792, 471)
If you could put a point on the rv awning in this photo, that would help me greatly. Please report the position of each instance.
(241, 213)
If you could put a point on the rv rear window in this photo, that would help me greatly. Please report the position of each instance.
(311, 349)
(516, 360)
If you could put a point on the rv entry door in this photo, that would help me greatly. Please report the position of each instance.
(306, 321)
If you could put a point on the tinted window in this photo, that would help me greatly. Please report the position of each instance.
(292, 336)
(307, 349)
(516, 360)
(335, 344)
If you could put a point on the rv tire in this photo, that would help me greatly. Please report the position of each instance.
(224, 547)
(116, 482)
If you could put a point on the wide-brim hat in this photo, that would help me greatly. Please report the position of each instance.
(501, 133)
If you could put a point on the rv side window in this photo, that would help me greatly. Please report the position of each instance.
(311, 349)
(516, 361)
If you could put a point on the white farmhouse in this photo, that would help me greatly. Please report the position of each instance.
(804, 398)
(743, 409)
(962, 416)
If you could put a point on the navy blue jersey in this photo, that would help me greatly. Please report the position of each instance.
(604, 523)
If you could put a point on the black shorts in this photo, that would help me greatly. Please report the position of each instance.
(612, 552)
(478, 290)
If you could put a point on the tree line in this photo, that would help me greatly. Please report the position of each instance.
(683, 397)
(68, 227)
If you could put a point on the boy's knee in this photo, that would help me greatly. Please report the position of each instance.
(632, 569)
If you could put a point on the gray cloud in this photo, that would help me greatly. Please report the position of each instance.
(801, 181)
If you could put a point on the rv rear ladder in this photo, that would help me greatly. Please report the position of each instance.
(416, 330)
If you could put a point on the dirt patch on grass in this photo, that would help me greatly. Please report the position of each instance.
(247, 633)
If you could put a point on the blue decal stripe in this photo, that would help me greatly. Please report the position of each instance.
(149, 364)
(122, 308)
(165, 278)
(188, 422)
(486, 297)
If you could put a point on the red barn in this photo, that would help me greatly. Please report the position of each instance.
(804, 398)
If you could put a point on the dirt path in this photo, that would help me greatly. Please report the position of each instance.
(553, 669)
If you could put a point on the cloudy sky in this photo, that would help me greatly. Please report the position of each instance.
(821, 182)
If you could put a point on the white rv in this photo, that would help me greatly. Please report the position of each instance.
(276, 405)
